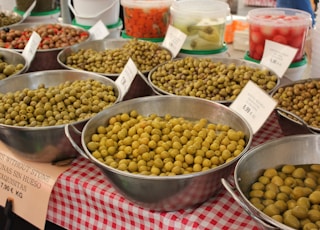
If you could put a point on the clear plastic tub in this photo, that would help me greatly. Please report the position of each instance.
(283, 25)
(146, 18)
(203, 21)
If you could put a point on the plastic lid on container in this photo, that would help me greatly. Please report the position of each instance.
(124, 35)
(274, 17)
(296, 64)
(204, 8)
(224, 48)
(112, 26)
(146, 3)
(44, 13)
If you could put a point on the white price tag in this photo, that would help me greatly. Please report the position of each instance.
(254, 104)
(174, 40)
(278, 57)
(31, 48)
(99, 31)
(126, 77)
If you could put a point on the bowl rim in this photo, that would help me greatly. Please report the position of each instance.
(216, 59)
(148, 99)
(280, 113)
(44, 73)
(110, 41)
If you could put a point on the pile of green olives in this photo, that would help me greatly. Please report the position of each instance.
(164, 146)
(7, 69)
(289, 195)
(146, 55)
(302, 99)
(56, 105)
(209, 79)
(9, 19)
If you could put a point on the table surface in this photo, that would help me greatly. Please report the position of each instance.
(83, 198)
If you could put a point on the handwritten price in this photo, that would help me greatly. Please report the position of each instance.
(248, 110)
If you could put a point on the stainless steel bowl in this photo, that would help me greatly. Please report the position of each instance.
(227, 61)
(290, 123)
(13, 57)
(43, 144)
(292, 150)
(97, 45)
(11, 14)
(167, 193)
(44, 59)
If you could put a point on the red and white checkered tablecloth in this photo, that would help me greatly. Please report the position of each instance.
(82, 198)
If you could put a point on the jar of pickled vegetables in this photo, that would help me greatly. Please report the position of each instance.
(146, 18)
(203, 21)
(282, 25)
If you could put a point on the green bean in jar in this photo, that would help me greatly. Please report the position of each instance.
(164, 146)
(56, 105)
(146, 55)
(290, 195)
(53, 36)
(205, 78)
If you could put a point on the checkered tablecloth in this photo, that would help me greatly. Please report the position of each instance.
(82, 198)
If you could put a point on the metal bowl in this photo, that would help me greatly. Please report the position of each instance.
(289, 122)
(292, 150)
(227, 61)
(97, 45)
(167, 193)
(44, 59)
(43, 144)
(9, 13)
(13, 57)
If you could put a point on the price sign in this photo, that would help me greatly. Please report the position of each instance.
(278, 57)
(254, 104)
(99, 31)
(31, 48)
(126, 77)
(174, 40)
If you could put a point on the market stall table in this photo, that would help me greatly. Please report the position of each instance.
(84, 199)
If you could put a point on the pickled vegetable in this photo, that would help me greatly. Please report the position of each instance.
(163, 146)
(295, 204)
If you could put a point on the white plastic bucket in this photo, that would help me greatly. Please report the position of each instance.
(203, 21)
(89, 12)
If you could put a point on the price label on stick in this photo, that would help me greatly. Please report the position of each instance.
(99, 31)
(31, 48)
(174, 40)
(278, 57)
(126, 77)
(254, 104)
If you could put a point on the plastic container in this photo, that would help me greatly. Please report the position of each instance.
(41, 5)
(114, 29)
(43, 17)
(203, 21)
(89, 12)
(295, 71)
(282, 25)
(146, 18)
(222, 52)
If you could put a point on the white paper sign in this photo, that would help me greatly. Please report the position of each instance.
(28, 184)
(31, 47)
(174, 40)
(278, 57)
(99, 31)
(254, 104)
(126, 77)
